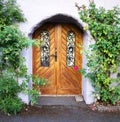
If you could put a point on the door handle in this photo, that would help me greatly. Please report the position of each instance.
(54, 55)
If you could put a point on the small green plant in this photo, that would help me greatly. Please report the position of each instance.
(11, 105)
(9, 101)
(35, 92)
(103, 56)
(9, 88)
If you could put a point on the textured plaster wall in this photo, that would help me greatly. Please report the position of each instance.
(87, 90)
(36, 11)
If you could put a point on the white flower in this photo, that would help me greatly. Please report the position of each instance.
(6, 58)
(86, 27)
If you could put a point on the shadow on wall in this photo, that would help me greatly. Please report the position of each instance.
(59, 18)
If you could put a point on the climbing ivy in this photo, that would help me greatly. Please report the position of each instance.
(104, 55)
(10, 12)
(12, 63)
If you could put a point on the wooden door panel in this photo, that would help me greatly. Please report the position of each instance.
(46, 72)
(71, 80)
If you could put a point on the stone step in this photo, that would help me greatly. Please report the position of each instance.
(59, 100)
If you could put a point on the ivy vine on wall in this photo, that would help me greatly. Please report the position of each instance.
(12, 66)
(103, 56)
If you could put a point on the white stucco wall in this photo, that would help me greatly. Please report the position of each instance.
(87, 89)
(36, 11)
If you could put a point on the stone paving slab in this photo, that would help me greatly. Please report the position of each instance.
(108, 108)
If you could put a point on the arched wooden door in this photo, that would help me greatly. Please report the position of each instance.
(55, 59)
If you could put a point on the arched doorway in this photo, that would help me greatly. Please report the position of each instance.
(58, 54)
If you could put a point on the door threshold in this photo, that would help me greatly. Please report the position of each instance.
(78, 98)
(47, 95)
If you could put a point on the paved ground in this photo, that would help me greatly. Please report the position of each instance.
(63, 113)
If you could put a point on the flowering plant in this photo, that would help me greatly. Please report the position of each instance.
(75, 67)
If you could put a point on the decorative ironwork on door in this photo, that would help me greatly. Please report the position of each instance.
(70, 59)
(45, 48)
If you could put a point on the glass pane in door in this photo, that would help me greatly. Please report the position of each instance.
(70, 48)
(45, 48)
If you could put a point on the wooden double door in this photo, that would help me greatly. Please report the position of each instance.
(56, 57)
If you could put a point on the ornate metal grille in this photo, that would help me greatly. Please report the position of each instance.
(45, 48)
(70, 59)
